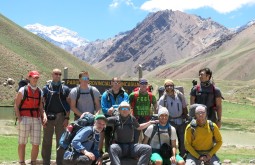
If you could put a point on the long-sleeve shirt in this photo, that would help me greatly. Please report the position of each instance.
(202, 140)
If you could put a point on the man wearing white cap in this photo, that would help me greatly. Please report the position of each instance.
(159, 134)
(202, 139)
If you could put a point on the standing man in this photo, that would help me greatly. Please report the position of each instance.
(30, 114)
(110, 101)
(163, 132)
(207, 94)
(84, 98)
(141, 102)
(57, 110)
(85, 144)
(176, 105)
(123, 137)
(202, 139)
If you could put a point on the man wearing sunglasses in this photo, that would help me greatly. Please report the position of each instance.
(84, 98)
(123, 144)
(176, 104)
(110, 102)
(56, 105)
(141, 102)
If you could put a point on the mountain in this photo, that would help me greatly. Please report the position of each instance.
(233, 60)
(22, 51)
(59, 36)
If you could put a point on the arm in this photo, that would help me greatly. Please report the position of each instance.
(74, 109)
(18, 99)
(192, 100)
(97, 106)
(219, 110)
(147, 124)
(145, 139)
(172, 158)
(42, 112)
(104, 104)
(218, 141)
(188, 141)
(155, 105)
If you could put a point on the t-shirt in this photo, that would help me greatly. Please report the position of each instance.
(142, 106)
(206, 96)
(124, 128)
(164, 136)
(174, 106)
(85, 102)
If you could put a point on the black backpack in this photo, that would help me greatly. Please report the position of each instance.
(74, 128)
(90, 92)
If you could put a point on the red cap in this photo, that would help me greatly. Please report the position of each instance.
(33, 74)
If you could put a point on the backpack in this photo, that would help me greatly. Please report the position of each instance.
(193, 126)
(192, 110)
(154, 130)
(90, 92)
(73, 128)
(199, 92)
(179, 95)
(22, 83)
(49, 92)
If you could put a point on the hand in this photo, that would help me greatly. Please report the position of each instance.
(154, 121)
(218, 123)
(208, 158)
(110, 111)
(99, 161)
(90, 155)
(173, 160)
(65, 123)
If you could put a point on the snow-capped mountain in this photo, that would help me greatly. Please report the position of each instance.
(57, 35)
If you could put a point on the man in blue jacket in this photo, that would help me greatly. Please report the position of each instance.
(85, 144)
(109, 102)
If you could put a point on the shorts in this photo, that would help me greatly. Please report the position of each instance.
(29, 126)
(156, 156)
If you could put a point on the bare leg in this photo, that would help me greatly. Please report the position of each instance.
(34, 152)
(21, 152)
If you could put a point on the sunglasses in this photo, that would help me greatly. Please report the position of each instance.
(168, 86)
(116, 82)
(57, 74)
(124, 108)
(85, 78)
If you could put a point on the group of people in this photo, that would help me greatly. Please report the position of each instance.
(123, 124)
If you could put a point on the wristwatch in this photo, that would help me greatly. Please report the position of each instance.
(67, 118)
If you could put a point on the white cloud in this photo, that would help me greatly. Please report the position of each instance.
(222, 6)
(117, 3)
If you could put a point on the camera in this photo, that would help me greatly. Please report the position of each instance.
(51, 116)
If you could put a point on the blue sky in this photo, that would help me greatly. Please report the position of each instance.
(101, 19)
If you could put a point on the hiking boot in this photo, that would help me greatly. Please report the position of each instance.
(105, 156)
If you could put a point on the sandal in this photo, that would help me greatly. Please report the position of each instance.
(22, 163)
(33, 162)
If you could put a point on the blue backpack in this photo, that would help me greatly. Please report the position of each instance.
(73, 129)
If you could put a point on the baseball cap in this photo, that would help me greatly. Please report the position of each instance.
(33, 74)
(101, 117)
(143, 81)
(163, 110)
